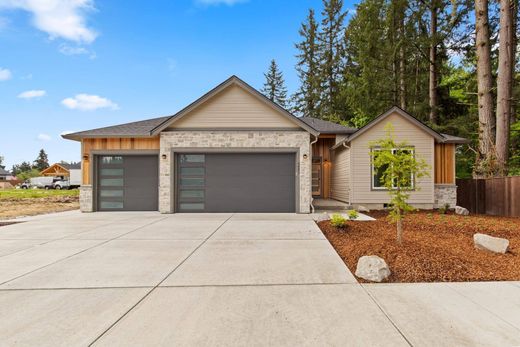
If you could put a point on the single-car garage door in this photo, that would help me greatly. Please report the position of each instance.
(236, 182)
(127, 183)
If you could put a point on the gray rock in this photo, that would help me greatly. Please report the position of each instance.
(490, 243)
(372, 268)
(361, 208)
(320, 217)
(461, 210)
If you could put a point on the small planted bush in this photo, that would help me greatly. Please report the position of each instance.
(353, 214)
(443, 209)
(338, 221)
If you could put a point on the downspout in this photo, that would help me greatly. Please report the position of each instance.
(350, 176)
(312, 143)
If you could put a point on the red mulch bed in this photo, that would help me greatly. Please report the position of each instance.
(436, 247)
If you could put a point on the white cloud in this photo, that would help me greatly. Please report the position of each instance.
(58, 18)
(78, 50)
(5, 74)
(31, 94)
(219, 2)
(43, 137)
(87, 102)
(4, 23)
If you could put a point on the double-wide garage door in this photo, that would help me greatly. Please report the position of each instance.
(205, 182)
(235, 182)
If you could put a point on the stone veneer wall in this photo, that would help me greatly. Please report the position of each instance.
(85, 199)
(445, 194)
(227, 140)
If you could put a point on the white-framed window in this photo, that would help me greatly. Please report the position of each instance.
(377, 173)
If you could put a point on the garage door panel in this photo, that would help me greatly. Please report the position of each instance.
(239, 182)
(128, 183)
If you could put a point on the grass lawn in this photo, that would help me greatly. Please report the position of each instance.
(436, 247)
(28, 202)
(35, 193)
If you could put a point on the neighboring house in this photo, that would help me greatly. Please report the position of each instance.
(233, 150)
(60, 169)
(4, 175)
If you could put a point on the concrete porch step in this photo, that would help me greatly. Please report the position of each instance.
(330, 204)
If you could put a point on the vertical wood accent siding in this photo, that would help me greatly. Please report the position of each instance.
(445, 163)
(234, 108)
(322, 149)
(404, 130)
(340, 180)
(88, 145)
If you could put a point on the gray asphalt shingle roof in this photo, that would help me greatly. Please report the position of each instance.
(4, 172)
(140, 128)
(326, 127)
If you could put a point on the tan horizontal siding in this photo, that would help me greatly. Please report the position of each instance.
(404, 130)
(234, 108)
(340, 183)
(89, 145)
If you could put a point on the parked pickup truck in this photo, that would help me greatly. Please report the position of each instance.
(74, 181)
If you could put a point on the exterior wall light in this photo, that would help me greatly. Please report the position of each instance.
(305, 156)
(85, 157)
(163, 156)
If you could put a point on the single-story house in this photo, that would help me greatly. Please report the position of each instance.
(233, 150)
(4, 175)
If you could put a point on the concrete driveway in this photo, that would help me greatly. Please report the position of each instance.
(221, 279)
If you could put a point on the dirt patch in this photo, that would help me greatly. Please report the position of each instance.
(12, 208)
(436, 247)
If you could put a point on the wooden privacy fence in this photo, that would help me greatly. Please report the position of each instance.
(494, 196)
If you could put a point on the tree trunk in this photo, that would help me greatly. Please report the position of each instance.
(402, 62)
(433, 63)
(504, 85)
(399, 231)
(484, 164)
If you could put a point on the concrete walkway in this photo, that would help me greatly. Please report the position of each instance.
(222, 279)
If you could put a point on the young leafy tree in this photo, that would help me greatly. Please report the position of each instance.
(274, 86)
(42, 161)
(398, 168)
(307, 98)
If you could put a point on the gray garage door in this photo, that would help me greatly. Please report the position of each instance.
(127, 183)
(236, 182)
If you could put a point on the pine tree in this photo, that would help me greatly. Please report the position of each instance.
(331, 49)
(307, 98)
(2, 162)
(274, 86)
(41, 162)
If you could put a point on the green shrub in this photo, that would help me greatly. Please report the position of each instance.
(338, 221)
(444, 208)
(353, 214)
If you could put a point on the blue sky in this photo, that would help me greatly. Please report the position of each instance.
(70, 65)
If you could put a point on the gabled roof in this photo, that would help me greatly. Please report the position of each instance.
(233, 80)
(71, 166)
(4, 172)
(326, 127)
(153, 127)
(442, 138)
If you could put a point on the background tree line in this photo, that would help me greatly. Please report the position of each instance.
(26, 170)
(452, 64)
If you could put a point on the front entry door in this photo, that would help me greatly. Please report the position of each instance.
(316, 176)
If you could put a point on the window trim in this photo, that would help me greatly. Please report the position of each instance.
(372, 173)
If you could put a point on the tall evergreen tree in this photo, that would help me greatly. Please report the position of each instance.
(307, 98)
(2, 166)
(332, 56)
(274, 86)
(42, 161)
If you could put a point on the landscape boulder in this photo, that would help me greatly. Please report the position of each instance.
(372, 268)
(361, 208)
(320, 217)
(461, 210)
(490, 243)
